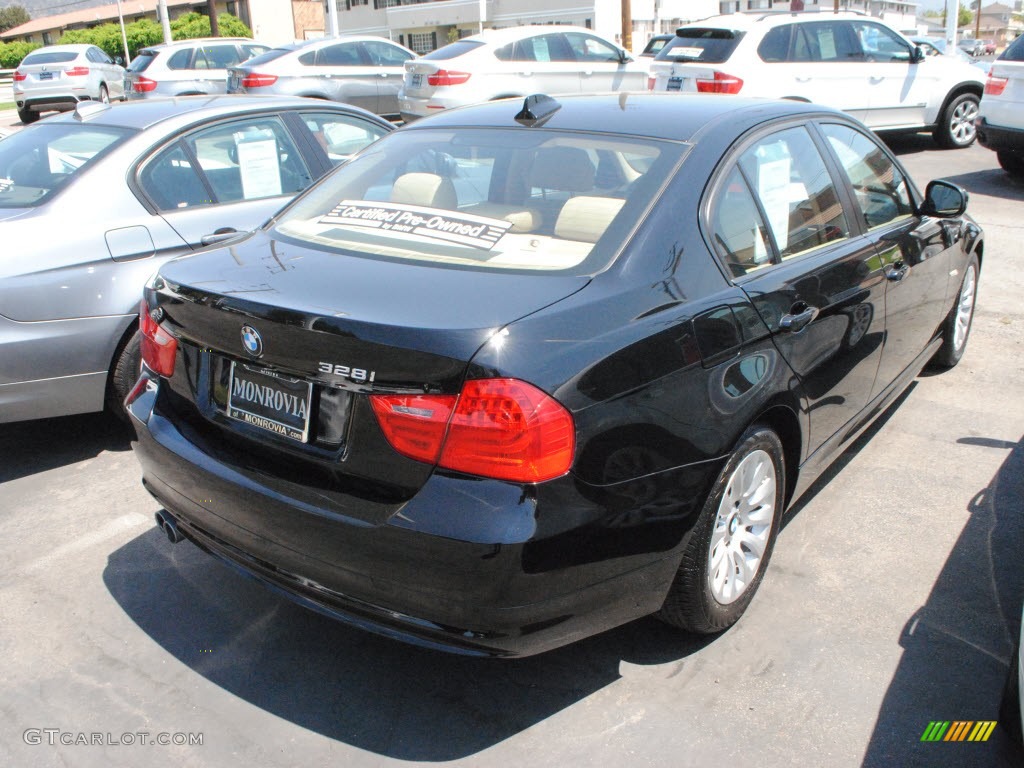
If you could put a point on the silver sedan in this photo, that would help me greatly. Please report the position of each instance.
(363, 70)
(92, 203)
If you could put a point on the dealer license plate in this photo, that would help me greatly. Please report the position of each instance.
(415, 81)
(270, 401)
(46, 75)
(675, 84)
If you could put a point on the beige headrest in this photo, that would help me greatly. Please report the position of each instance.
(562, 168)
(426, 189)
(586, 218)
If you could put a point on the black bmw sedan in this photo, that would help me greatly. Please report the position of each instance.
(523, 372)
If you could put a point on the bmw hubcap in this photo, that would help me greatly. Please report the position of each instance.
(964, 310)
(742, 525)
(962, 123)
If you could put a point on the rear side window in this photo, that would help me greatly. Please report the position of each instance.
(454, 50)
(50, 57)
(142, 60)
(271, 55)
(216, 57)
(180, 59)
(1015, 51)
(701, 44)
(344, 55)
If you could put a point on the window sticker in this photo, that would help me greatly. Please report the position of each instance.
(688, 52)
(827, 44)
(452, 227)
(258, 163)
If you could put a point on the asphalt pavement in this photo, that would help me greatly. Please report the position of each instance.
(891, 602)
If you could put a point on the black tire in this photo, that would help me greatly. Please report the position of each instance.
(1009, 705)
(691, 603)
(1010, 162)
(123, 374)
(956, 128)
(27, 116)
(950, 352)
(104, 95)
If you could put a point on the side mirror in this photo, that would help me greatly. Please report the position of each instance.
(917, 55)
(944, 199)
(624, 58)
(119, 60)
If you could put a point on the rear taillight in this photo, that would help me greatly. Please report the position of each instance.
(447, 77)
(256, 80)
(158, 346)
(76, 71)
(995, 86)
(144, 85)
(650, 83)
(719, 83)
(19, 76)
(500, 428)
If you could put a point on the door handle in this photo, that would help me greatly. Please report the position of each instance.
(875, 79)
(794, 323)
(220, 236)
(897, 271)
(803, 79)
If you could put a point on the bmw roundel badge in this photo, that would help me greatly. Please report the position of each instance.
(251, 341)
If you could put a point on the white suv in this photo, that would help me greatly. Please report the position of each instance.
(1001, 120)
(502, 63)
(850, 61)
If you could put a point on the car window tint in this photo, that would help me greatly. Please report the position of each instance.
(341, 136)
(543, 48)
(271, 55)
(486, 198)
(344, 55)
(879, 43)
(50, 57)
(795, 191)
(829, 41)
(142, 60)
(710, 45)
(453, 50)
(216, 57)
(880, 188)
(180, 59)
(589, 48)
(384, 55)
(249, 159)
(1013, 52)
(36, 164)
(737, 229)
(249, 50)
(775, 44)
(171, 182)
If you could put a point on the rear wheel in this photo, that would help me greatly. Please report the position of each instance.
(104, 95)
(957, 325)
(1010, 162)
(732, 540)
(27, 116)
(124, 374)
(956, 127)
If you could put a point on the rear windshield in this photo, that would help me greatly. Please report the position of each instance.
(453, 50)
(703, 44)
(142, 60)
(1015, 52)
(50, 57)
(36, 164)
(486, 198)
(273, 53)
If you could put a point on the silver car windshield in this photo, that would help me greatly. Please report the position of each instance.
(491, 198)
(36, 163)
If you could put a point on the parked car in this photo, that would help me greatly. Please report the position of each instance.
(362, 70)
(971, 47)
(936, 46)
(853, 62)
(91, 203)
(654, 45)
(516, 62)
(532, 369)
(990, 47)
(1001, 117)
(58, 77)
(188, 67)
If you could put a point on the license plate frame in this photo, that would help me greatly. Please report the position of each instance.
(416, 80)
(46, 75)
(256, 413)
(675, 84)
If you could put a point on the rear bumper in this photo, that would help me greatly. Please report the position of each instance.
(999, 138)
(463, 566)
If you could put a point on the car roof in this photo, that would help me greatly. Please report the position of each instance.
(76, 47)
(323, 41)
(510, 34)
(145, 113)
(659, 115)
(748, 21)
(200, 41)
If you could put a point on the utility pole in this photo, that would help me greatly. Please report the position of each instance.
(977, 20)
(627, 25)
(332, 16)
(952, 14)
(124, 36)
(165, 21)
(214, 26)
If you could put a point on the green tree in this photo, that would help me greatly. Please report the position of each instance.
(108, 37)
(964, 17)
(12, 53)
(189, 26)
(13, 16)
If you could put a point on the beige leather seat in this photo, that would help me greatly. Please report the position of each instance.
(586, 218)
(564, 169)
(426, 189)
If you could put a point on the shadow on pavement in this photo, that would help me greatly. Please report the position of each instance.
(963, 632)
(28, 447)
(349, 685)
